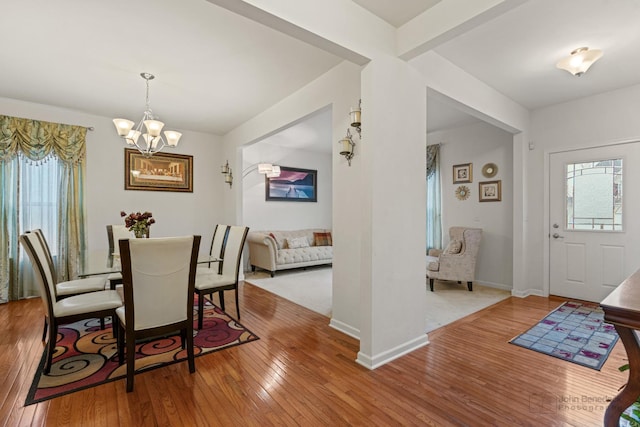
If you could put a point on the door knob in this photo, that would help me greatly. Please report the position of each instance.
(557, 236)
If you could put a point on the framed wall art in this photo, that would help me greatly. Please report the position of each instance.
(462, 173)
(293, 185)
(490, 191)
(160, 172)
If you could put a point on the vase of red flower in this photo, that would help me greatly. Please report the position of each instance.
(138, 222)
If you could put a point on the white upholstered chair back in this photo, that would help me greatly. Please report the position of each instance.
(35, 249)
(161, 280)
(233, 250)
(116, 232)
(219, 236)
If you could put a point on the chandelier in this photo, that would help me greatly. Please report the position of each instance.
(152, 141)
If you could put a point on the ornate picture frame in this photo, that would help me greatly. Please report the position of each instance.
(463, 173)
(160, 172)
(490, 191)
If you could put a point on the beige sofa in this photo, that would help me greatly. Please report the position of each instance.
(280, 250)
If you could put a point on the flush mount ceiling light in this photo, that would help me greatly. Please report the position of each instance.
(580, 60)
(152, 140)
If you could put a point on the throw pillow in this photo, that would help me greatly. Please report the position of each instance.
(297, 242)
(454, 247)
(322, 239)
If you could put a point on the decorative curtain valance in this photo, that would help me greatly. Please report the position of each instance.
(38, 140)
(433, 152)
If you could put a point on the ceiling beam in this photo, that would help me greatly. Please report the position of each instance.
(445, 21)
(340, 27)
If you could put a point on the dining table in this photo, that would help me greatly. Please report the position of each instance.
(102, 262)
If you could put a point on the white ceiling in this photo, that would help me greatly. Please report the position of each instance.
(397, 12)
(215, 69)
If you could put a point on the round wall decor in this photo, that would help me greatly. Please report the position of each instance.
(489, 170)
(462, 192)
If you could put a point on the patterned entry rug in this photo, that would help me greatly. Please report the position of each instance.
(86, 356)
(575, 332)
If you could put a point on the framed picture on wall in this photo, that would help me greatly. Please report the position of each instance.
(490, 191)
(160, 172)
(462, 173)
(292, 185)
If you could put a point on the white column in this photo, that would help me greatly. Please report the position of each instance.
(393, 211)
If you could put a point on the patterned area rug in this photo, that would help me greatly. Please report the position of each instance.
(86, 356)
(574, 332)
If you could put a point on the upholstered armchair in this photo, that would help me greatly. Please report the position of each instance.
(458, 261)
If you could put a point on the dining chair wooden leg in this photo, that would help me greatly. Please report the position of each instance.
(120, 341)
(44, 331)
(131, 359)
(221, 298)
(200, 310)
(51, 345)
(237, 304)
(190, 352)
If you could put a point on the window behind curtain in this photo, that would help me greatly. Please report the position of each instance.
(37, 186)
(434, 202)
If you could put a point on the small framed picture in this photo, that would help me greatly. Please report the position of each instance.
(462, 173)
(490, 191)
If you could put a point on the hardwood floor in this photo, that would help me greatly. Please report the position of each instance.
(302, 372)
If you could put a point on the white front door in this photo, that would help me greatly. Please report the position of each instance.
(594, 233)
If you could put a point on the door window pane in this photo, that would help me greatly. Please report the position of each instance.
(594, 195)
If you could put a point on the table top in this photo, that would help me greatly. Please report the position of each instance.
(622, 306)
(101, 262)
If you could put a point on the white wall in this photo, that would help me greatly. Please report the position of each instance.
(480, 144)
(340, 89)
(597, 120)
(260, 214)
(175, 213)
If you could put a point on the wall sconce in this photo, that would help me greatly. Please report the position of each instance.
(346, 147)
(346, 143)
(580, 60)
(228, 174)
(355, 116)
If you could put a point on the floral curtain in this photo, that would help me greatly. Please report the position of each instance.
(434, 203)
(38, 142)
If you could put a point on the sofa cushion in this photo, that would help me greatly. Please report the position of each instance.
(322, 239)
(312, 253)
(297, 242)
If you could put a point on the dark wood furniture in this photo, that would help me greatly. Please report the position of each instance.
(622, 309)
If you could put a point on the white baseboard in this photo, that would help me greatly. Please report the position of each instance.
(373, 362)
(528, 292)
(494, 285)
(345, 329)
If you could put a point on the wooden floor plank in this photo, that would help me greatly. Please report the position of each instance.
(302, 372)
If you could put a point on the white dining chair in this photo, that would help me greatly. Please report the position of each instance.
(158, 277)
(59, 311)
(227, 278)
